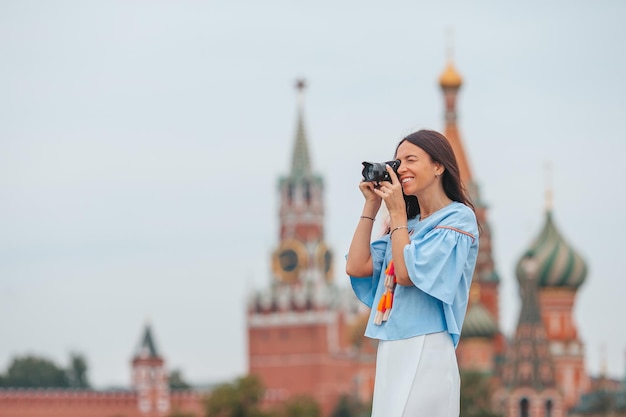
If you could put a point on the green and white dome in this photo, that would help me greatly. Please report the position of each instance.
(478, 322)
(557, 263)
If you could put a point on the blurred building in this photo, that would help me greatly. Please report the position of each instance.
(305, 334)
(482, 343)
(607, 397)
(540, 371)
(149, 395)
(302, 331)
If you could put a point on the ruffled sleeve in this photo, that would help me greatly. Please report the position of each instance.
(441, 264)
(365, 288)
(436, 264)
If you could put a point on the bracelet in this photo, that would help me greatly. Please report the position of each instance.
(399, 227)
(371, 218)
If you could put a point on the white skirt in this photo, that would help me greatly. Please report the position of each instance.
(417, 377)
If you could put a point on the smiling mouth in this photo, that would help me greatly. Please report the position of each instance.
(405, 180)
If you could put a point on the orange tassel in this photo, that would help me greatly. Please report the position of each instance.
(386, 300)
(389, 300)
(382, 303)
(391, 270)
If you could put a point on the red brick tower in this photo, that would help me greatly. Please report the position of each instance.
(529, 385)
(483, 309)
(150, 378)
(561, 272)
(300, 329)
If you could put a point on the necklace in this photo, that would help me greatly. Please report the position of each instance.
(427, 215)
(422, 217)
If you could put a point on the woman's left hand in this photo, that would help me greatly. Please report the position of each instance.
(391, 193)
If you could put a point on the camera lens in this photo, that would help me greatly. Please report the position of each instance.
(374, 172)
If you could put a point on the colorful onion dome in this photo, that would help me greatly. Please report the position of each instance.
(450, 78)
(557, 264)
(478, 322)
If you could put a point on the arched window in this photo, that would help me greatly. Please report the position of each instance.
(290, 193)
(523, 407)
(548, 411)
(307, 192)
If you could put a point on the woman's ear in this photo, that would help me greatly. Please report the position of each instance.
(439, 169)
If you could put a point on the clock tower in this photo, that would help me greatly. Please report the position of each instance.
(302, 256)
(305, 334)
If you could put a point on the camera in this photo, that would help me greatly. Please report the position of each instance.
(376, 171)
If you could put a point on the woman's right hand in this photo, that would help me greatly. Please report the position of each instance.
(367, 188)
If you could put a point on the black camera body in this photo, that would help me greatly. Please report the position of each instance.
(376, 171)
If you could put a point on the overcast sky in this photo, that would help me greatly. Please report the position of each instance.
(141, 144)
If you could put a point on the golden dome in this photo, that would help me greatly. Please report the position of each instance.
(450, 78)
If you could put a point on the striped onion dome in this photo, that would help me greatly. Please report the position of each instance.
(558, 264)
(479, 322)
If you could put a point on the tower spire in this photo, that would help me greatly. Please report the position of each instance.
(297, 260)
(449, 44)
(603, 362)
(300, 163)
(450, 82)
(549, 195)
(147, 347)
(149, 377)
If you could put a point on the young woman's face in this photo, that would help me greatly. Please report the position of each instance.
(417, 171)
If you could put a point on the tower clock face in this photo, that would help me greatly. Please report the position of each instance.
(324, 258)
(327, 261)
(289, 260)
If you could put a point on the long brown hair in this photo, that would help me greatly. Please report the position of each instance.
(440, 151)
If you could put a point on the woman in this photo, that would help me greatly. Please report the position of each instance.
(416, 278)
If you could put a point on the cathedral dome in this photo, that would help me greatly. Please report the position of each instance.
(478, 322)
(450, 78)
(557, 263)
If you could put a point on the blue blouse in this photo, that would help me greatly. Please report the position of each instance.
(440, 260)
